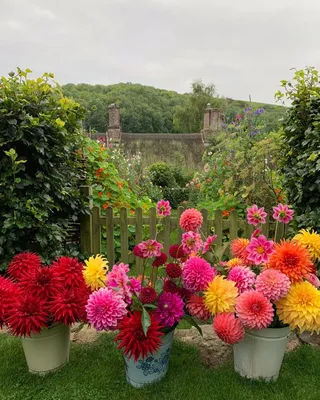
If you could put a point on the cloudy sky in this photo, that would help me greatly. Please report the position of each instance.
(244, 47)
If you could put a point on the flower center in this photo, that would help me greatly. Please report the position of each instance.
(291, 261)
(260, 250)
(256, 307)
(257, 216)
(140, 335)
(43, 279)
(282, 214)
(165, 305)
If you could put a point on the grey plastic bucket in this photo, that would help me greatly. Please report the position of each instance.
(260, 354)
(151, 369)
(49, 350)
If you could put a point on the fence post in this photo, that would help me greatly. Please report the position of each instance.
(86, 222)
(124, 248)
(153, 234)
(96, 231)
(204, 226)
(110, 236)
(179, 230)
(139, 237)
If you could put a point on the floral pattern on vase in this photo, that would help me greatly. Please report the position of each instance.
(154, 366)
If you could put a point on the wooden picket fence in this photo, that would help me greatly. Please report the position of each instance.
(94, 225)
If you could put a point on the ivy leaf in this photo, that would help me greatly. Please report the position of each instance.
(145, 321)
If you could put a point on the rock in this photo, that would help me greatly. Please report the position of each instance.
(308, 338)
(84, 335)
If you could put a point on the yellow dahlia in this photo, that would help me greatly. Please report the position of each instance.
(234, 262)
(220, 295)
(301, 307)
(310, 241)
(94, 272)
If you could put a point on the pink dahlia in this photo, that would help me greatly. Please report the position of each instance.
(282, 213)
(314, 280)
(118, 279)
(273, 284)
(260, 249)
(254, 310)
(191, 220)
(197, 309)
(197, 274)
(256, 215)
(243, 277)
(134, 285)
(163, 208)
(228, 328)
(256, 232)
(105, 309)
(170, 309)
(191, 242)
(150, 248)
(208, 243)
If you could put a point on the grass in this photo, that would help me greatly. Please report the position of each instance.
(96, 372)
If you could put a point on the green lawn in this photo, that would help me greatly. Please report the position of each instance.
(96, 372)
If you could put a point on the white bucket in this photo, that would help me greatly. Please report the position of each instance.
(47, 351)
(151, 369)
(260, 354)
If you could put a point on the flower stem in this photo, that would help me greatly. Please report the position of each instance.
(276, 231)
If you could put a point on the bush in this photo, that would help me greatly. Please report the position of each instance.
(161, 175)
(39, 169)
(301, 146)
(176, 196)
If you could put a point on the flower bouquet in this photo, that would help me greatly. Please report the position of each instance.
(39, 304)
(266, 290)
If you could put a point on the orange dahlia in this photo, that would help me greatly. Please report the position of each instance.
(291, 259)
(234, 262)
(239, 249)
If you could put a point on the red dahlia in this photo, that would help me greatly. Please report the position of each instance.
(176, 251)
(23, 262)
(170, 287)
(148, 295)
(68, 306)
(68, 271)
(28, 314)
(8, 293)
(173, 270)
(132, 339)
(40, 282)
(137, 252)
(160, 260)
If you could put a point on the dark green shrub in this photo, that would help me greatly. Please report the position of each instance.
(161, 175)
(176, 196)
(39, 168)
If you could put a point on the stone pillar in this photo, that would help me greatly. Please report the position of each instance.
(206, 116)
(114, 127)
(212, 123)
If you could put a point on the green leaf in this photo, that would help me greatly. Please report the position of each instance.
(145, 321)
(60, 122)
(192, 322)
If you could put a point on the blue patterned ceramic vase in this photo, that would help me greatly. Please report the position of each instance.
(151, 369)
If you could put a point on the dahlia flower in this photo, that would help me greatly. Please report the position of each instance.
(138, 252)
(301, 307)
(191, 220)
(256, 215)
(173, 270)
(234, 262)
(40, 282)
(239, 249)
(163, 208)
(256, 232)
(27, 314)
(197, 273)
(310, 241)
(134, 285)
(160, 260)
(191, 242)
(94, 272)
(282, 213)
(260, 249)
(196, 308)
(208, 243)
(105, 309)
(68, 306)
(8, 294)
(148, 295)
(220, 295)
(228, 328)
(273, 284)
(23, 262)
(150, 248)
(169, 310)
(118, 279)
(132, 339)
(314, 280)
(170, 286)
(243, 277)
(176, 251)
(68, 271)
(254, 310)
(292, 259)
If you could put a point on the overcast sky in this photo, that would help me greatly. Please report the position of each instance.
(242, 46)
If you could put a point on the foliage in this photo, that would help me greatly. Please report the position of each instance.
(146, 109)
(301, 145)
(241, 166)
(39, 171)
(161, 174)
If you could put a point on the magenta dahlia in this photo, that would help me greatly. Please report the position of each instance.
(243, 277)
(197, 273)
(191, 242)
(150, 248)
(273, 284)
(259, 250)
(170, 309)
(314, 280)
(208, 243)
(256, 215)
